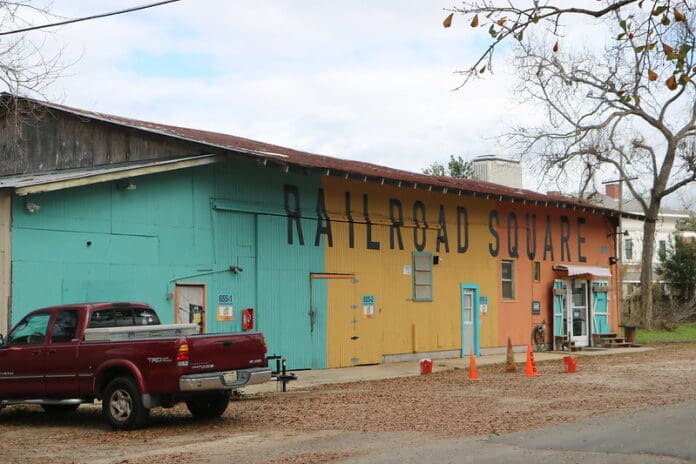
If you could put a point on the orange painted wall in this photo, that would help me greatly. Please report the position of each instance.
(597, 248)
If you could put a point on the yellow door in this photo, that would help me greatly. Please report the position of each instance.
(354, 337)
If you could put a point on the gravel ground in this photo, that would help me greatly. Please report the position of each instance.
(332, 422)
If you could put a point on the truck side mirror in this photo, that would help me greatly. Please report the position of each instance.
(2, 340)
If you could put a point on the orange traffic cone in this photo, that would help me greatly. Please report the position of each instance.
(530, 369)
(511, 366)
(473, 373)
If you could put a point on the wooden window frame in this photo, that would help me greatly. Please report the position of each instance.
(536, 271)
(511, 280)
(416, 272)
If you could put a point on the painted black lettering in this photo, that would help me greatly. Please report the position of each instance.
(512, 236)
(323, 221)
(421, 225)
(494, 246)
(462, 228)
(371, 244)
(565, 239)
(397, 220)
(351, 223)
(548, 239)
(531, 236)
(442, 231)
(292, 211)
(581, 239)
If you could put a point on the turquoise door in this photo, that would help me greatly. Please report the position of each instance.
(560, 299)
(292, 305)
(470, 319)
(235, 257)
(600, 311)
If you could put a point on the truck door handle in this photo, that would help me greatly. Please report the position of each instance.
(35, 353)
(51, 351)
(227, 343)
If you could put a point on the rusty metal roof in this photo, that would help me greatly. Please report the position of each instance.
(327, 165)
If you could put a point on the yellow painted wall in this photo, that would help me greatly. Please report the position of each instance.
(401, 325)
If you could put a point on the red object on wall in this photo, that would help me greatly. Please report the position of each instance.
(248, 319)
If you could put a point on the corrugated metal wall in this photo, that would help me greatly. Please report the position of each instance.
(401, 325)
(98, 243)
(326, 263)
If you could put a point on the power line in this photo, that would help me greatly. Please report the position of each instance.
(87, 18)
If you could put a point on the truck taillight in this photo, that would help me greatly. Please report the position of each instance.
(182, 355)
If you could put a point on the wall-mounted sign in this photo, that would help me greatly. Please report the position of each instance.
(225, 308)
(407, 269)
(368, 304)
(483, 304)
(225, 313)
(536, 308)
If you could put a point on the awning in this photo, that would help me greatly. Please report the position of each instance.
(574, 269)
(24, 184)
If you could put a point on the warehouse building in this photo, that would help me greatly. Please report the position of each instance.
(337, 262)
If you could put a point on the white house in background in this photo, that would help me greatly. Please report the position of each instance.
(632, 239)
(498, 169)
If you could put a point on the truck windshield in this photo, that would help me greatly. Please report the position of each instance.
(123, 317)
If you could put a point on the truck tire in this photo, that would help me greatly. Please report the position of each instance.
(59, 408)
(210, 405)
(122, 404)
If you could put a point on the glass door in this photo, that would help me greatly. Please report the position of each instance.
(579, 313)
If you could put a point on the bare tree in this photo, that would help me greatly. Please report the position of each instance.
(631, 107)
(26, 68)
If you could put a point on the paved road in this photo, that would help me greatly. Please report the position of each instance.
(657, 436)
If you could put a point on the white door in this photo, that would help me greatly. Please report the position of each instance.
(579, 313)
(190, 304)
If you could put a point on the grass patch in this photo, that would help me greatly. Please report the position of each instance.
(683, 333)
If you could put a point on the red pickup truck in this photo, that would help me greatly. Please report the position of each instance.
(119, 353)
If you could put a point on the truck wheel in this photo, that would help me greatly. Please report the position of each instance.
(208, 406)
(59, 408)
(122, 405)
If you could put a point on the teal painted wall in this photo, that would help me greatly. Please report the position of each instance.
(96, 243)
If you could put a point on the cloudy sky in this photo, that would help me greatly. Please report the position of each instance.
(363, 80)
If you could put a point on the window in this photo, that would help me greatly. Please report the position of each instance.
(662, 247)
(508, 279)
(31, 331)
(536, 271)
(628, 249)
(65, 326)
(422, 276)
(123, 317)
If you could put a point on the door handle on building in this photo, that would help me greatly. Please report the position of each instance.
(312, 318)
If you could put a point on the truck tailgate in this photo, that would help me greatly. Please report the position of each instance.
(216, 352)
